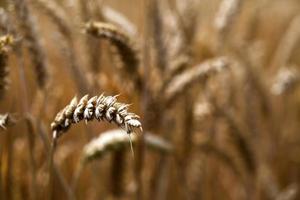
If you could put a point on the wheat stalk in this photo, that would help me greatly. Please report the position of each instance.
(181, 82)
(31, 36)
(158, 33)
(123, 44)
(5, 41)
(102, 108)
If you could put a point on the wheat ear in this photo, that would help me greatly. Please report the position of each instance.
(28, 27)
(116, 139)
(60, 19)
(58, 16)
(285, 80)
(287, 43)
(123, 44)
(226, 14)
(201, 72)
(115, 17)
(102, 108)
(5, 41)
(6, 120)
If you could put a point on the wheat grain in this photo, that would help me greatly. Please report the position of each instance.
(102, 108)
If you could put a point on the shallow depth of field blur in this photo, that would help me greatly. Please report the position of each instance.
(216, 82)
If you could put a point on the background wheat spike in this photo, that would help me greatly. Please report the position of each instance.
(115, 139)
(5, 41)
(124, 45)
(32, 39)
(98, 107)
(179, 83)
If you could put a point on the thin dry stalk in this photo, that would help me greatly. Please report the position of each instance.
(178, 85)
(118, 169)
(31, 143)
(41, 129)
(29, 29)
(100, 108)
(9, 176)
(1, 170)
(221, 156)
(124, 46)
(157, 30)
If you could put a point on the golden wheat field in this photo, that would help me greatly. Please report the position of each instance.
(149, 99)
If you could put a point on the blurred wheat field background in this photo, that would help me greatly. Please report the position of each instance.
(150, 99)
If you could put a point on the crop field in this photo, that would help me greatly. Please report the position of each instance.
(149, 99)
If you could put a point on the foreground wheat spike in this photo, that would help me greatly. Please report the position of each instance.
(5, 41)
(31, 36)
(179, 83)
(6, 120)
(123, 44)
(116, 139)
(99, 107)
(285, 80)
